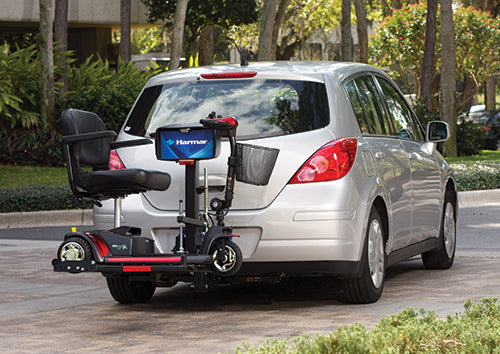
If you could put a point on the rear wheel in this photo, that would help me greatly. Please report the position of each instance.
(227, 257)
(368, 288)
(127, 292)
(443, 257)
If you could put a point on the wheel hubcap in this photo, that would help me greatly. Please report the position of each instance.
(449, 232)
(72, 251)
(376, 253)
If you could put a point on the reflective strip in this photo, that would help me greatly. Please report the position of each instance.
(137, 268)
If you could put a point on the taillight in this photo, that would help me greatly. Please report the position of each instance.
(114, 161)
(333, 161)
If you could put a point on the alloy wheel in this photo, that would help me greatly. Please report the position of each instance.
(376, 253)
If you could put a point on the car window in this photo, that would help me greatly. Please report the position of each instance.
(263, 108)
(402, 118)
(372, 105)
(356, 105)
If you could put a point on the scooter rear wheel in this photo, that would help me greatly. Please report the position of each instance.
(229, 262)
(127, 292)
(74, 249)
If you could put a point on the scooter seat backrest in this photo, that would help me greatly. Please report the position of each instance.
(95, 152)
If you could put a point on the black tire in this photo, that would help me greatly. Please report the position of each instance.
(232, 259)
(127, 292)
(368, 288)
(74, 249)
(444, 256)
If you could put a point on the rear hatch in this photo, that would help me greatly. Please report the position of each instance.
(285, 114)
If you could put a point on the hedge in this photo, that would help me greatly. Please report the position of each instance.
(477, 175)
(36, 198)
(33, 148)
(476, 330)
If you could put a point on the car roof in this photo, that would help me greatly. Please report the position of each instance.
(291, 70)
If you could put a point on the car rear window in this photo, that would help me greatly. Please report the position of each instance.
(263, 108)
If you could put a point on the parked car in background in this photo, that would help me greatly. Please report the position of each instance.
(490, 121)
(357, 186)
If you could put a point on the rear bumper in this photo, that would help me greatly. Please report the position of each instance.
(307, 223)
(338, 268)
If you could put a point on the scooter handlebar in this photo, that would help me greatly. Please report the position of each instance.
(220, 123)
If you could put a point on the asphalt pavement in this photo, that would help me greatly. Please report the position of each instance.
(44, 311)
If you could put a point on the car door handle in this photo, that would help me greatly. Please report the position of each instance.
(380, 155)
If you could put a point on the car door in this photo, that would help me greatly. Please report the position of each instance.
(425, 175)
(391, 160)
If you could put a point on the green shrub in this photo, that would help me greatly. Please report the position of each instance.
(20, 90)
(36, 198)
(95, 87)
(470, 138)
(476, 330)
(477, 175)
(36, 147)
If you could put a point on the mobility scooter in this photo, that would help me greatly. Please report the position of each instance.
(204, 253)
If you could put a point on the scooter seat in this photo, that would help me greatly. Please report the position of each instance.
(125, 181)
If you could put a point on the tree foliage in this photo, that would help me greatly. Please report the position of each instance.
(477, 38)
(203, 13)
(398, 45)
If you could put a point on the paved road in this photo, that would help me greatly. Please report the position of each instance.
(43, 311)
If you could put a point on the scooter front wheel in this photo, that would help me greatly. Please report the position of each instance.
(227, 257)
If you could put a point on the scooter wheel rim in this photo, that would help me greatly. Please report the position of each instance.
(72, 251)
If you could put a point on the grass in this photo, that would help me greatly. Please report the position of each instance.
(17, 176)
(485, 155)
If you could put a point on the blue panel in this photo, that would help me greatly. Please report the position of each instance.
(195, 144)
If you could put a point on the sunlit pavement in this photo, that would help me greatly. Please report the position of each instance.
(43, 311)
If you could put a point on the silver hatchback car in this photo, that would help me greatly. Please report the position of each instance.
(357, 185)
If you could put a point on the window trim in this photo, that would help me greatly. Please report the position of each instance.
(388, 116)
(413, 116)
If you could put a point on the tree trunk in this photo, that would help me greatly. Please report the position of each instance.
(386, 9)
(178, 34)
(47, 65)
(61, 38)
(448, 78)
(429, 62)
(396, 4)
(280, 17)
(125, 52)
(490, 93)
(490, 84)
(206, 46)
(345, 31)
(269, 11)
(362, 29)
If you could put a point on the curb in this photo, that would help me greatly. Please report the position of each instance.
(84, 217)
(46, 218)
(479, 198)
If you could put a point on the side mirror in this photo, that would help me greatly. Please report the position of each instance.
(437, 131)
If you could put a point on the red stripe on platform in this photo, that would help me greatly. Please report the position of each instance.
(144, 259)
(137, 268)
